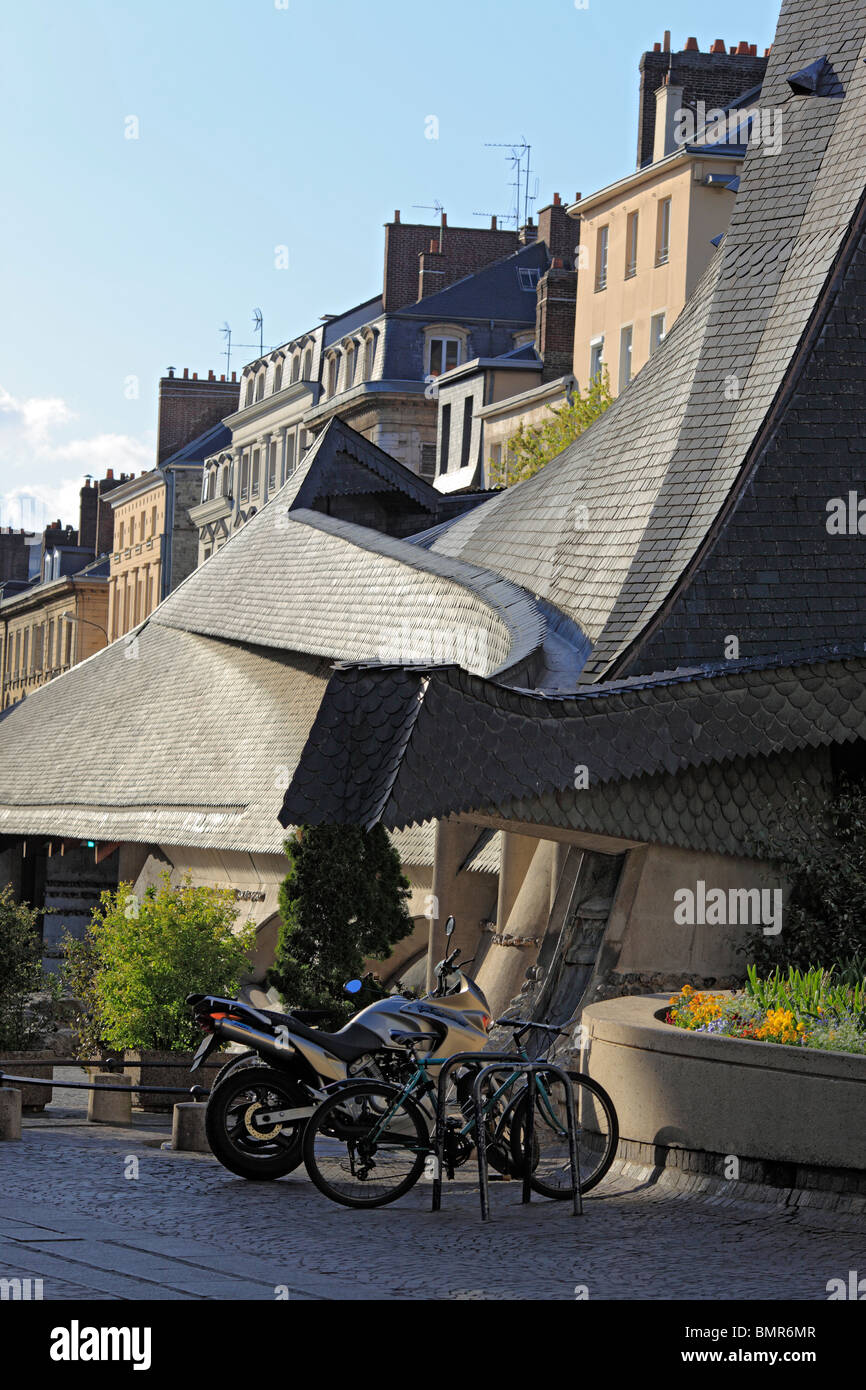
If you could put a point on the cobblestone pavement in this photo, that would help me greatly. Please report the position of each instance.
(185, 1228)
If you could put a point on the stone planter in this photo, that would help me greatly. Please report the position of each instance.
(675, 1089)
(33, 1098)
(147, 1067)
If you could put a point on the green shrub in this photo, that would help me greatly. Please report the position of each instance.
(343, 900)
(821, 849)
(22, 1021)
(141, 956)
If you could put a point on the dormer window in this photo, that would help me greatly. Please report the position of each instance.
(260, 386)
(443, 354)
(278, 377)
(250, 388)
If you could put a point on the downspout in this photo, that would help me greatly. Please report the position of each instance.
(165, 585)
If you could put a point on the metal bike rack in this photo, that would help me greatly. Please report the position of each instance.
(498, 1062)
(531, 1071)
(458, 1059)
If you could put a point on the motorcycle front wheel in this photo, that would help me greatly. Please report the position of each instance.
(240, 1142)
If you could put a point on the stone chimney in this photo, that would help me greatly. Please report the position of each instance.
(669, 102)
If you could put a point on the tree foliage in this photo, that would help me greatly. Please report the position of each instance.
(531, 447)
(21, 974)
(342, 902)
(141, 956)
(820, 846)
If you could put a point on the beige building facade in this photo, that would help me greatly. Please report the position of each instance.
(645, 241)
(49, 628)
(155, 542)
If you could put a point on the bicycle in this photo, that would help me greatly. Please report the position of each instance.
(369, 1142)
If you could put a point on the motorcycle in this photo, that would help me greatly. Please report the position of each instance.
(261, 1099)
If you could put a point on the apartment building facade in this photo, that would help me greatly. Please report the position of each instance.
(648, 238)
(374, 367)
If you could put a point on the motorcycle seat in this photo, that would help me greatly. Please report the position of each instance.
(349, 1044)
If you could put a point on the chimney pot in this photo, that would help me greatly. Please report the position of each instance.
(666, 46)
(718, 46)
(767, 51)
(109, 473)
(195, 376)
(494, 226)
(234, 376)
(397, 215)
(185, 373)
(692, 46)
(444, 219)
(753, 50)
(657, 48)
(557, 201)
(211, 377)
(223, 377)
(742, 49)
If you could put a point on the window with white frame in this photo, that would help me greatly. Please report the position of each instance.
(245, 476)
(528, 277)
(625, 344)
(658, 327)
(272, 466)
(631, 245)
(442, 355)
(596, 357)
(663, 234)
(601, 248)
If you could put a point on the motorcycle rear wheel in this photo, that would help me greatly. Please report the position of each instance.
(259, 1155)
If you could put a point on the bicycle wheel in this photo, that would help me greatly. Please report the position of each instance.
(597, 1135)
(495, 1123)
(366, 1144)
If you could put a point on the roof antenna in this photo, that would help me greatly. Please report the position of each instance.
(227, 334)
(259, 323)
(436, 207)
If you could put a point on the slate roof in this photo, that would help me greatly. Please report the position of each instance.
(396, 745)
(499, 284)
(623, 555)
(657, 471)
(299, 580)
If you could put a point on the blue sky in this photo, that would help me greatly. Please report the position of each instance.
(265, 123)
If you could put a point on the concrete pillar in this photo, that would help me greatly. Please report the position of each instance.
(109, 1107)
(517, 852)
(10, 1113)
(463, 895)
(503, 972)
(187, 1128)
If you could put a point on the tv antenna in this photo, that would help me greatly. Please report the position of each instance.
(258, 322)
(520, 159)
(438, 208)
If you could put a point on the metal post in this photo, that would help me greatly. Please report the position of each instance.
(529, 1136)
(459, 1059)
(481, 1145)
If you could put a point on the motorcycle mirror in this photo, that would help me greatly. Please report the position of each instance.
(353, 986)
(449, 927)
